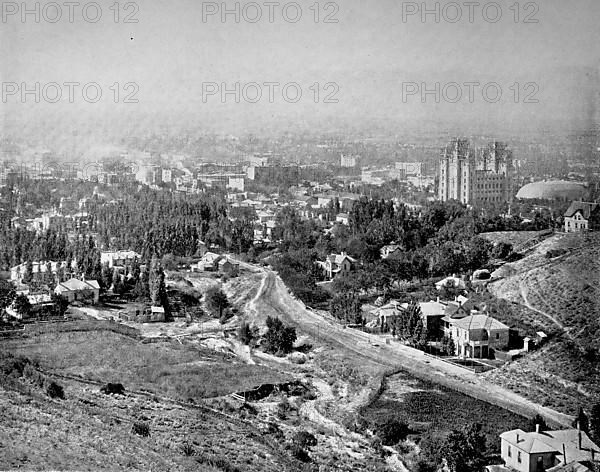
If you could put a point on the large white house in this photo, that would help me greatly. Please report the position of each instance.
(119, 258)
(582, 216)
(79, 290)
(477, 335)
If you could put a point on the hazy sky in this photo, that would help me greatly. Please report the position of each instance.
(368, 57)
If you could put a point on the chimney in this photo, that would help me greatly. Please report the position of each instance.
(517, 438)
(537, 428)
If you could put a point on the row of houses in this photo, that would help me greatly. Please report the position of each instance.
(73, 289)
(120, 260)
(53, 221)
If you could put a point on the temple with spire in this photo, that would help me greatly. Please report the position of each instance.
(476, 176)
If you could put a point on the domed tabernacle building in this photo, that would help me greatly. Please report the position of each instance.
(553, 190)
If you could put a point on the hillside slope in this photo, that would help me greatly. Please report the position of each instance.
(559, 280)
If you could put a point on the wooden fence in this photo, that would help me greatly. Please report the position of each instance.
(43, 327)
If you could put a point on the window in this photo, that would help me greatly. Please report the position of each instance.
(497, 335)
(519, 457)
(509, 452)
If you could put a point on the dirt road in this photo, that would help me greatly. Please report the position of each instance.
(274, 299)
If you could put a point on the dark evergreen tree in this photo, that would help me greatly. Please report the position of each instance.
(28, 274)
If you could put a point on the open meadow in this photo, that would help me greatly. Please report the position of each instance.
(182, 371)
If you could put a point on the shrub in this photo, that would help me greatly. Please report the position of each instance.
(283, 407)
(140, 428)
(115, 388)
(308, 395)
(187, 449)
(36, 377)
(377, 446)
(55, 390)
(247, 334)
(279, 339)
(300, 453)
(216, 301)
(248, 408)
(304, 439)
(424, 466)
(11, 365)
(217, 462)
(391, 431)
(274, 429)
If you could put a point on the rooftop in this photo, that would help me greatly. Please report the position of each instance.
(566, 440)
(479, 322)
(585, 208)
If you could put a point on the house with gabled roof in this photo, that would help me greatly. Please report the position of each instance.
(386, 314)
(567, 450)
(210, 262)
(79, 290)
(582, 216)
(337, 264)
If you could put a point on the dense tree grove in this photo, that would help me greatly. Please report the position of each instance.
(144, 220)
(159, 223)
(441, 239)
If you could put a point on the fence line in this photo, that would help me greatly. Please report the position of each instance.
(35, 329)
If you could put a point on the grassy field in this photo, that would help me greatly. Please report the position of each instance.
(181, 371)
(434, 411)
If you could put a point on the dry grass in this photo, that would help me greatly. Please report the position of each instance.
(567, 289)
(181, 371)
(92, 431)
